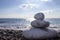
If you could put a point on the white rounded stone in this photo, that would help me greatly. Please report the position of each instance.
(39, 23)
(36, 33)
(39, 16)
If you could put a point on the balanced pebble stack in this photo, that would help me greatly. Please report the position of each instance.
(39, 22)
(39, 29)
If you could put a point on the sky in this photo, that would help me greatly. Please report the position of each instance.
(28, 8)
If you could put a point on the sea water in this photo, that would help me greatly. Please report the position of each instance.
(14, 23)
(54, 22)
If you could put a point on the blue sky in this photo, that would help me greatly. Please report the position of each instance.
(27, 8)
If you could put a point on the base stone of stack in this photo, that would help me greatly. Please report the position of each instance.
(35, 33)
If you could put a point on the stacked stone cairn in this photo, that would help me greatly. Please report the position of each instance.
(39, 29)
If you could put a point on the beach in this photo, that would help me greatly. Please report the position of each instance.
(7, 34)
(10, 34)
(11, 29)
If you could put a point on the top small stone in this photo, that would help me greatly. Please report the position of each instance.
(39, 16)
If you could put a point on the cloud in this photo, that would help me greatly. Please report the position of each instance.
(28, 6)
